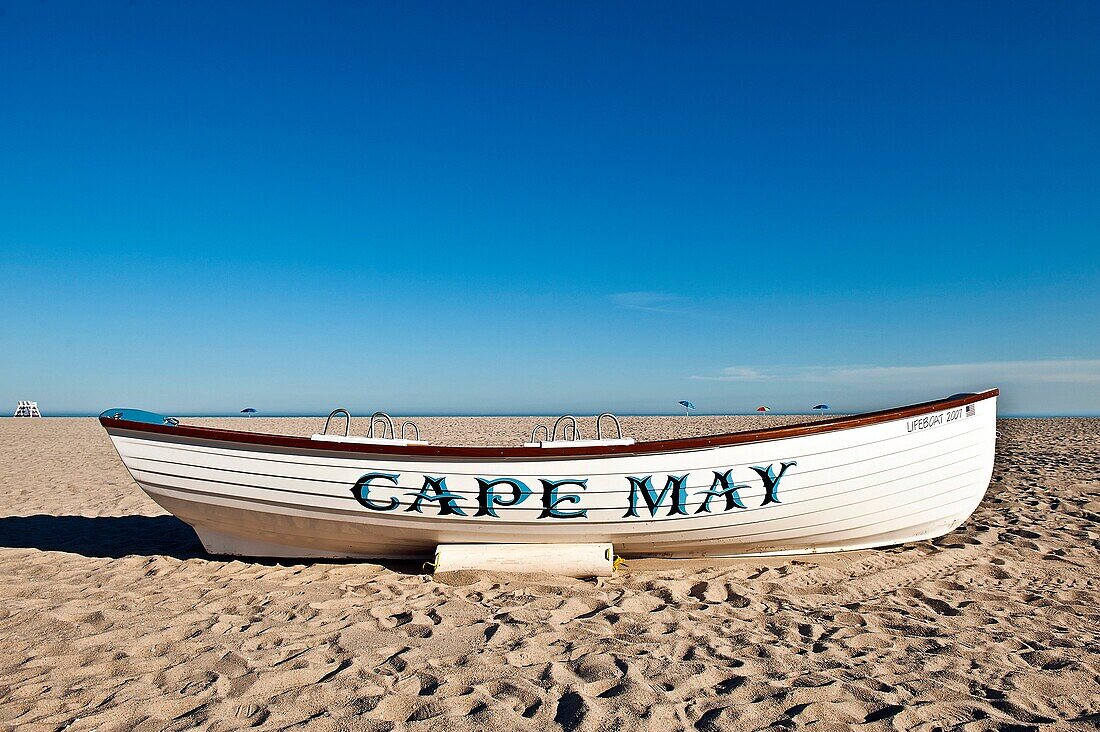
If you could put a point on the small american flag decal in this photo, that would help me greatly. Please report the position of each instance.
(969, 410)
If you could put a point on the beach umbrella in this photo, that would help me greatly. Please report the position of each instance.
(249, 411)
(688, 406)
(763, 409)
(821, 408)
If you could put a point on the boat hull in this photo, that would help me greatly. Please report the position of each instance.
(850, 485)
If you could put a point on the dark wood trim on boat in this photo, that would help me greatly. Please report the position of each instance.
(304, 444)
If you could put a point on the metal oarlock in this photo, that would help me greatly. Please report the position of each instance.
(615, 420)
(347, 423)
(564, 430)
(387, 423)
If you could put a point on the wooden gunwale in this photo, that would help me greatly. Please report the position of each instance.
(304, 444)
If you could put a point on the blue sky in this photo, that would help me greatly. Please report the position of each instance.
(537, 208)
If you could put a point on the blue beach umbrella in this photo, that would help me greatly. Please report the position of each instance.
(688, 406)
(821, 408)
(249, 411)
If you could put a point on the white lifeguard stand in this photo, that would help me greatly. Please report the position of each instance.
(27, 409)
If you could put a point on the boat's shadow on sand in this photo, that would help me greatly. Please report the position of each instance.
(102, 536)
(114, 537)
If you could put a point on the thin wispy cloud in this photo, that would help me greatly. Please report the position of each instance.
(656, 302)
(740, 373)
(1049, 371)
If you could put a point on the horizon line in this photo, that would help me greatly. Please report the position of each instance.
(772, 413)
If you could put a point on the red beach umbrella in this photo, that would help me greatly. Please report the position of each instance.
(763, 409)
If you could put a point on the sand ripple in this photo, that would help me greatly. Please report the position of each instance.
(112, 618)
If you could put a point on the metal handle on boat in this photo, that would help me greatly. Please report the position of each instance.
(416, 430)
(618, 427)
(535, 432)
(347, 423)
(572, 422)
(386, 422)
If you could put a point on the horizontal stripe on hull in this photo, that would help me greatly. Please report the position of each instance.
(340, 538)
(849, 494)
(309, 484)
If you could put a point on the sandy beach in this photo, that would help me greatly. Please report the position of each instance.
(113, 618)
